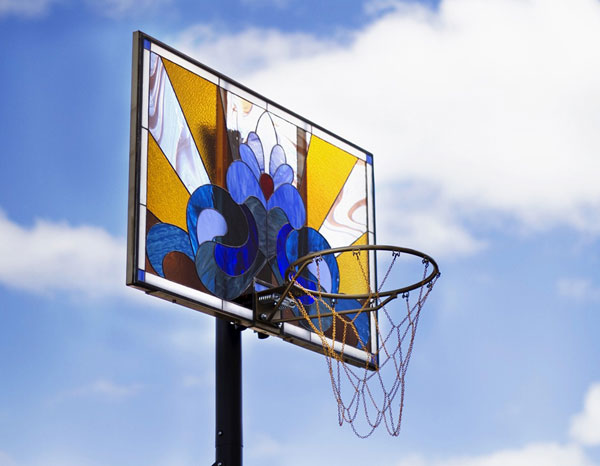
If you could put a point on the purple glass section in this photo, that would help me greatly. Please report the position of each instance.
(210, 225)
(288, 199)
(242, 183)
(254, 143)
(249, 158)
(284, 174)
(277, 158)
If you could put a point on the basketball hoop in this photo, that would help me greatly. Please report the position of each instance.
(374, 388)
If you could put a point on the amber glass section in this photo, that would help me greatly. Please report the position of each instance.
(354, 270)
(327, 168)
(198, 100)
(167, 196)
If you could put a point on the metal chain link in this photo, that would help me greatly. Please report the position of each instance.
(394, 352)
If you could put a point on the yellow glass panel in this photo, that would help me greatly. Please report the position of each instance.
(354, 271)
(327, 168)
(167, 196)
(198, 100)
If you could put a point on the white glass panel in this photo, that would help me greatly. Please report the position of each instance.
(242, 93)
(296, 332)
(372, 270)
(265, 128)
(275, 110)
(213, 78)
(354, 352)
(373, 333)
(184, 291)
(142, 239)
(169, 127)
(145, 87)
(317, 339)
(144, 167)
(237, 310)
(242, 116)
(287, 137)
(337, 346)
(370, 199)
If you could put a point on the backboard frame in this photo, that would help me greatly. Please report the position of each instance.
(137, 276)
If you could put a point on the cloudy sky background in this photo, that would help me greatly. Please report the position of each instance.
(483, 120)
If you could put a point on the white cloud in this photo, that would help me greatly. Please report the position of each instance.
(120, 8)
(57, 257)
(6, 460)
(195, 381)
(585, 426)
(248, 50)
(580, 289)
(377, 7)
(281, 4)
(194, 342)
(104, 389)
(542, 454)
(26, 8)
(264, 446)
(492, 106)
(64, 458)
(434, 232)
(110, 8)
(268, 450)
(422, 222)
(584, 431)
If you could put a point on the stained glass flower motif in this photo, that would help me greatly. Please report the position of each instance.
(256, 225)
(273, 187)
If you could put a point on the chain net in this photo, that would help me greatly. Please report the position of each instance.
(377, 389)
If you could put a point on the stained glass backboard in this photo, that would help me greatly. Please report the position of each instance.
(227, 188)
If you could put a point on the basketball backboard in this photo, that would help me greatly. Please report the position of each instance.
(228, 188)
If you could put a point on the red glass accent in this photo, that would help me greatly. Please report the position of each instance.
(266, 184)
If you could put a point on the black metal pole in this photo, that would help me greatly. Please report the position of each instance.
(228, 397)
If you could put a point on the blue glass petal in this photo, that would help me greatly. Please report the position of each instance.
(164, 238)
(298, 243)
(277, 158)
(323, 274)
(256, 145)
(284, 174)
(249, 158)
(218, 282)
(276, 219)
(213, 197)
(287, 252)
(362, 322)
(259, 214)
(308, 240)
(288, 198)
(242, 184)
(210, 224)
(282, 258)
(237, 260)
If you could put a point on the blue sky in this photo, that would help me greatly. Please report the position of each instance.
(482, 118)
